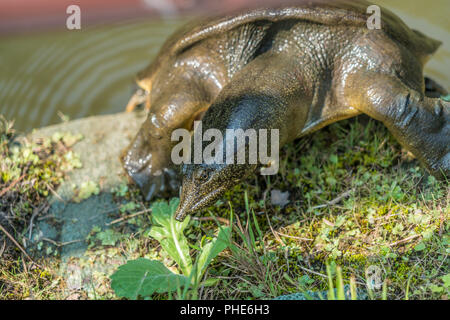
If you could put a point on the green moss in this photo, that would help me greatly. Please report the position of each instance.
(29, 172)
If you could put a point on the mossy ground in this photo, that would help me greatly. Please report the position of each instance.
(356, 198)
(29, 173)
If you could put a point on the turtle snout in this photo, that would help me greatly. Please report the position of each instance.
(149, 170)
(162, 182)
(187, 201)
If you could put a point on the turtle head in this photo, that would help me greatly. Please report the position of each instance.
(175, 102)
(203, 184)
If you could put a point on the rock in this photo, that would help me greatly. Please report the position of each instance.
(70, 220)
(278, 198)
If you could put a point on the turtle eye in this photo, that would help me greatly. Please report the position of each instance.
(156, 136)
(203, 175)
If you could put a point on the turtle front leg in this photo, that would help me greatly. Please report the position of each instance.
(421, 124)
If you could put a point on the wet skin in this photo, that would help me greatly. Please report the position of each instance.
(295, 69)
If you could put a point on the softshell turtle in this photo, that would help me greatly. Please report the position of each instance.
(295, 68)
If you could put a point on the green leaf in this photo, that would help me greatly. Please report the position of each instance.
(339, 284)
(128, 207)
(436, 289)
(420, 246)
(446, 280)
(169, 233)
(210, 282)
(331, 295)
(334, 159)
(108, 237)
(212, 249)
(143, 277)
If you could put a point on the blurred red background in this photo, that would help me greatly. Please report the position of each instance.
(32, 15)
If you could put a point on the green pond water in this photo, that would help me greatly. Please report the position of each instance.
(44, 75)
